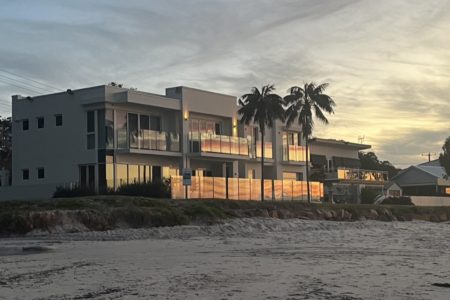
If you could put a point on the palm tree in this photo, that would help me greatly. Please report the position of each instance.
(302, 103)
(262, 108)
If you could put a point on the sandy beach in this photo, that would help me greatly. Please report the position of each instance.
(258, 258)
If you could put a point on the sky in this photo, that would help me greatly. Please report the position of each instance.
(387, 61)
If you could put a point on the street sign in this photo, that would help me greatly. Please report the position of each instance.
(187, 174)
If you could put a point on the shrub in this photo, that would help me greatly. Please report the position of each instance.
(73, 191)
(157, 189)
(368, 195)
(398, 201)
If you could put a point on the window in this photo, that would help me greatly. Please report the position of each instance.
(25, 124)
(40, 122)
(25, 174)
(121, 129)
(133, 130)
(90, 129)
(58, 120)
(155, 123)
(41, 173)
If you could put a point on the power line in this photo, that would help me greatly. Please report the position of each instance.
(21, 87)
(27, 78)
(25, 83)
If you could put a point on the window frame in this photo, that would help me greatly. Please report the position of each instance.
(23, 174)
(58, 124)
(39, 125)
(39, 174)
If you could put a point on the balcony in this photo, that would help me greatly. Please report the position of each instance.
(294, 153)
(221, 144)
(359, 175)
(267, 150)
(155, 140)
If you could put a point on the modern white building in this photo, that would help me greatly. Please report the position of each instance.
(105, 136)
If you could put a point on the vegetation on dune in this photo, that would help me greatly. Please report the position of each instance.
(109, 212)
(444, 157)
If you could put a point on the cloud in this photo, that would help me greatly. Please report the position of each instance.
(387, 61)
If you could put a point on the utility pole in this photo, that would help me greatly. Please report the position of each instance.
(429, 154)
(361, 139)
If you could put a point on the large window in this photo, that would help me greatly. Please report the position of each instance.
(25, 174)
(121, 130)
(41, 173)
(90, 129)
(105, 125)
(58, 120)
(25, 124)
(133, 130)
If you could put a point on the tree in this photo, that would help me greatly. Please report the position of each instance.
(444, 158)
(370, 161)
(303, 103)
(262, 108)
(5, 143)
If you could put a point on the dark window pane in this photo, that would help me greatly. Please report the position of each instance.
(156, 173)
(91, 171)
(121, 119)
(109, 128)
(25, 174)
(41, 173)
(155, 123)
(91, 141)
(217, 128)
(133, 130)
(58, 120)
(90, 121)
(40, 122)
(83, 176)
(25, 124)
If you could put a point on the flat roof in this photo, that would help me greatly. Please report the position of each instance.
(343, 143)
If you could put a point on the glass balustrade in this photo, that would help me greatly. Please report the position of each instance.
(294, 153)
(245, 189)
(361, 175)
(206, 142)
(156, 140)
(267, 149)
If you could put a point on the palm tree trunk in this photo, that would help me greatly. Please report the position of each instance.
(262, 165)
(307, 170)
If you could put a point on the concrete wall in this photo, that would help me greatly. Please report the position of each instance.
(430, 201)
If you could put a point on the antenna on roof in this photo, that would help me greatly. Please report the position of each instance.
(429, 154)
(361, 139)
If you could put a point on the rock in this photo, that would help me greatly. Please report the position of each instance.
(373, 214)
(273, 213)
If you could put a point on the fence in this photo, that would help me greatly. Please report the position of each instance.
(245, 189)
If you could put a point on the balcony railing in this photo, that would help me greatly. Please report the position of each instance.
(155, 140)
(244, 189)
(224, 144)
(294, 153)
(267, 149)
(361, 175)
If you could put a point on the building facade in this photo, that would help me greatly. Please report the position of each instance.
(105, 136)
(339, 165)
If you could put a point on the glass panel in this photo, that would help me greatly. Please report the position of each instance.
(267, 189)
(243, 146)
(244, 189)
(194, 188)
(174, 141)
(278, 189)
(255, 185)
(225, 144)
(215, 143)
(91, 141)
(133, 130)
(121, 133)
(144, 131)
(110, 176)
(220, 188)
(121, 175)
(287, 189)
(176, 187)
(162, 145)
(233, 188)
(109, 129)
(297, 190)
(91, 121)
(207, 190)
(133, 174)
(234, 145)
(155, 123)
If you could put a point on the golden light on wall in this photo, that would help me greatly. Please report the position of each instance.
(186, 115)
(234, 127)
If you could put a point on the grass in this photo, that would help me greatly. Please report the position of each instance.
(109, 212)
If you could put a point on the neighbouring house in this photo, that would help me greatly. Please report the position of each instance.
(392, 189)
(427, 179)
(105, 136)
(339, 164)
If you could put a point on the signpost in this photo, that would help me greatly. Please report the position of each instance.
(187, 180)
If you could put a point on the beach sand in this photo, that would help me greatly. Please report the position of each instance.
(258, 258)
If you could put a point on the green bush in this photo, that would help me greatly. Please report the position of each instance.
(368, 195)
(398, 201)
(157, 189)
(73, 191)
